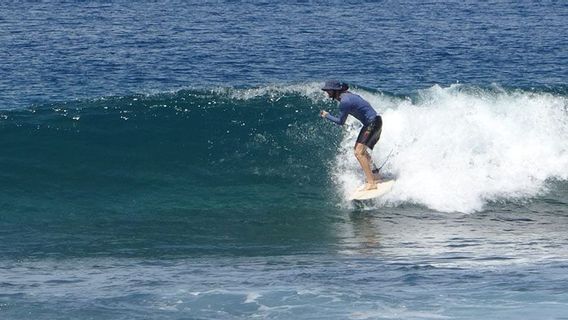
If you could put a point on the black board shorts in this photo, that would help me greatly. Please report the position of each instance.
(370, 134)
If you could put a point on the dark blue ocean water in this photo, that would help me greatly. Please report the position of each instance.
(165, 160)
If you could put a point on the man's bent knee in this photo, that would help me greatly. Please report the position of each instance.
(360, 151)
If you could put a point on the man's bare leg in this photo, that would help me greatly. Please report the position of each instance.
(365, 161)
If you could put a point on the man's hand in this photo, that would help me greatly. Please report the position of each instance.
(323, 113)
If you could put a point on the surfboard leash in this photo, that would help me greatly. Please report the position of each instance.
(386, 160)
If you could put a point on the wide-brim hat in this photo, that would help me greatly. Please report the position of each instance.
(334, 85)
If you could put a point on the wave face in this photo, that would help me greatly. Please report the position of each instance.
(451, 149)
(191, 149)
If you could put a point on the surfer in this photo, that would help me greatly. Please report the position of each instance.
(352, 104)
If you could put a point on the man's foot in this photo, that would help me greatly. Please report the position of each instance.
(370, 186)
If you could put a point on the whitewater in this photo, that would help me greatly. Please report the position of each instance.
(458, 148)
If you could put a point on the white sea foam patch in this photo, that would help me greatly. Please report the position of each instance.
(455, 149)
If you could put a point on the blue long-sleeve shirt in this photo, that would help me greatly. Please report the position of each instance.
(352, 104)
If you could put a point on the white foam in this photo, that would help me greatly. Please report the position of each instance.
(252, 296)
(455, 149)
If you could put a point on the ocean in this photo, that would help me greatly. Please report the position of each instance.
(166, 160)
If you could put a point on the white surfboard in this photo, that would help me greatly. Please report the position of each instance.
(382, 188)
